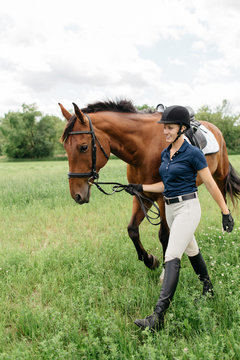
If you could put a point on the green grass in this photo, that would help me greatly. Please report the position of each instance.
(71, 285)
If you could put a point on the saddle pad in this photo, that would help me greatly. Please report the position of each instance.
(212, 146)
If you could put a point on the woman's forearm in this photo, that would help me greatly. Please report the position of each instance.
(213, 189)
(155, 188)
(217, 196)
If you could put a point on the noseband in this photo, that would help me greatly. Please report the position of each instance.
(93, 174)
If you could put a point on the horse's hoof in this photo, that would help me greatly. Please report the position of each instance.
(155, 263)
(151, 262)
(162, 276)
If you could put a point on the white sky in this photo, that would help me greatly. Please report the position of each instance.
(183, 52)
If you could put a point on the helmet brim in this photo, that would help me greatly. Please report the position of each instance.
(170, 122)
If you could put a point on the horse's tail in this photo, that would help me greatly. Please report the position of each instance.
(232, 184)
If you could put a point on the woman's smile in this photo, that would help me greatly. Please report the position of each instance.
(170, 132)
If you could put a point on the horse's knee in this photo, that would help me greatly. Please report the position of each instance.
(133, 232)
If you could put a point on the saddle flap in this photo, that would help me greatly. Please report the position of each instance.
(203, 138)
(200, 138)
(195, 135)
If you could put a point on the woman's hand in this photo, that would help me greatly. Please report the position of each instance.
(227, 222)
(154, 188)
(133, 188)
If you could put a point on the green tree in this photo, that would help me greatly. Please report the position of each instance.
(28, 134)
(146, 108)
(228, 123)
(44, 137)
(59, 125)
(18, 130)
(1, 142)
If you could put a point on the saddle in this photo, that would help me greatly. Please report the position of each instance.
(195, 132)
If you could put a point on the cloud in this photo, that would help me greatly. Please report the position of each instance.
(176, 61)
(54, 50)
(199, 46)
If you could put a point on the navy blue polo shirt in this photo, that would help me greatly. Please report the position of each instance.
(179, 173)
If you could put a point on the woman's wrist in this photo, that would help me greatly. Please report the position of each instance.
(225, 211)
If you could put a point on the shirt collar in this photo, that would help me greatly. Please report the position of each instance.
(182, 148)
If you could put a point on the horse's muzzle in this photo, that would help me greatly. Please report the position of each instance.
(80, 200)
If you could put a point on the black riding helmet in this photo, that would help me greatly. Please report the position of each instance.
(176, 114)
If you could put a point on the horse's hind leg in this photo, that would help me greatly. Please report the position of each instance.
(164, 230)
(133, 230)
(221, 185)
(163, 234)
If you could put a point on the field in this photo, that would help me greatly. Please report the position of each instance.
(71, 285)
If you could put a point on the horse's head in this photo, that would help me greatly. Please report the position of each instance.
(88, 150)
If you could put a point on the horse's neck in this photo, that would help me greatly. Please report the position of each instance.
(126, 133)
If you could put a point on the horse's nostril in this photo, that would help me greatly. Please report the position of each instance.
(78, 198)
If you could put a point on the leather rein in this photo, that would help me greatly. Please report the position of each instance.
(117, 187)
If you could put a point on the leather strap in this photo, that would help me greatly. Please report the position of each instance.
(180, 198)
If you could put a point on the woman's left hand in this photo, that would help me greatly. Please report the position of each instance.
(227, 222)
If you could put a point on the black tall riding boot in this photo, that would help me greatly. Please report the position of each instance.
(156, 320)
(200, 269)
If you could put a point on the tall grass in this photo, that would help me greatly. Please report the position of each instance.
(71, 285)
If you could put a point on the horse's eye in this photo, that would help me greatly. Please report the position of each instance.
(83, 148)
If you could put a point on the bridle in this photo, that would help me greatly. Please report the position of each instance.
(93, 174)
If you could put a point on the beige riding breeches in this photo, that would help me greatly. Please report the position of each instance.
(182, 218)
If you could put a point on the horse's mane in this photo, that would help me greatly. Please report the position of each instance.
(122, 105)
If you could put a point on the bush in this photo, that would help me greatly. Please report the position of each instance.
(27, 134)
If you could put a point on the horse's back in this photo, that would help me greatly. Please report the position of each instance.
(218, 163)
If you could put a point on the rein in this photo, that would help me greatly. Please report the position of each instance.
(117, 187)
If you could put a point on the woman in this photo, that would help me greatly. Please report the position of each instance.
(180, 165)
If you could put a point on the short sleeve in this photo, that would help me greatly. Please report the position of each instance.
(199, 161)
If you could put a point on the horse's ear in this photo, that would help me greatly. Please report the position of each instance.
(65, 113)
(79, 114)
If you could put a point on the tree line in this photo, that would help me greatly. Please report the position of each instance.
(28, 134)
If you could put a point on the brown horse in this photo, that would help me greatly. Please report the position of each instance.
(137, 139)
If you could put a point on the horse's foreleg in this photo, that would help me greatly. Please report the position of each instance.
(133, 230)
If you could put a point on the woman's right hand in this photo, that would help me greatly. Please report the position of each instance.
(133, 188)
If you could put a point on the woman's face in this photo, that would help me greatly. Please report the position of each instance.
(171, 131)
